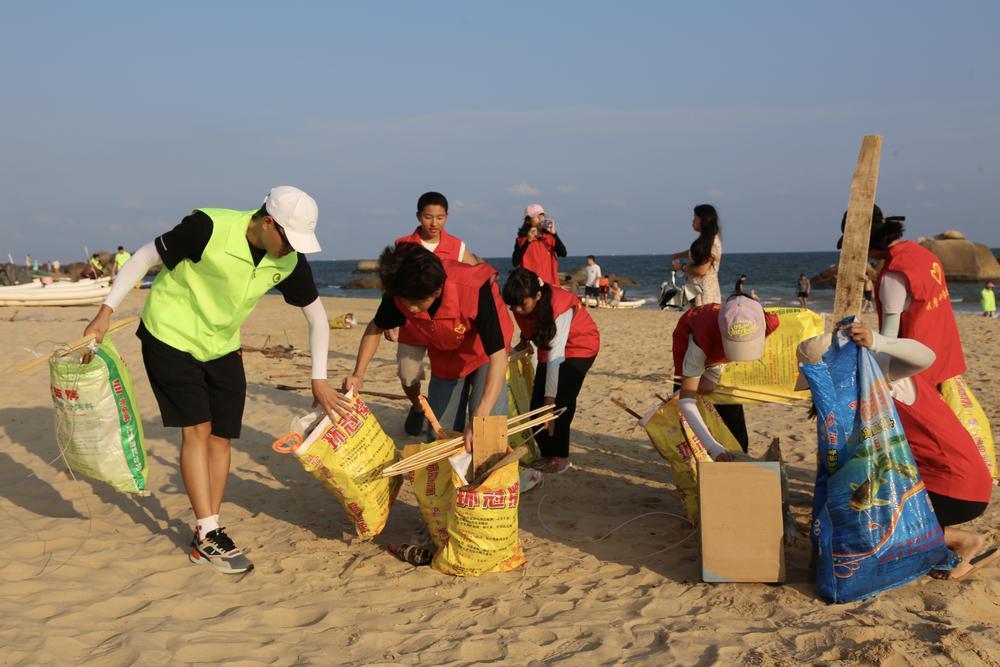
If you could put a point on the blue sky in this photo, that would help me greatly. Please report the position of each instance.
(618, 117)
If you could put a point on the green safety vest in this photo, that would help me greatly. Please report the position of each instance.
(198, 307)
(121, 258)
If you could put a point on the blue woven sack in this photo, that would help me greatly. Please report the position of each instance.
(873, 525)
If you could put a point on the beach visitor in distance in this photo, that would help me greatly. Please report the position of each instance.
(553, 320)
(804, 288)
(218, 263)
(432, 216)
(701, 261)
(538, 246)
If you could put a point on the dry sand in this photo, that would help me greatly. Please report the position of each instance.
(91, 575)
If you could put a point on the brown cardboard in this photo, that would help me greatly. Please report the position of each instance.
(741, 523)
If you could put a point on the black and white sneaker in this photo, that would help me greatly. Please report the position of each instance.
(218, 550)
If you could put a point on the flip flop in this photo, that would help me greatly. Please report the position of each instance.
(552, 467)
(981, 561)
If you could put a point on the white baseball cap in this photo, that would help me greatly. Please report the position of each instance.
(533, 210)
(297, 214)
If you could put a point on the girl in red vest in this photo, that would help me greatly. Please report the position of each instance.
(537, 246)
(457, 309)
(432, 214)
(568, 342)
(957, 479)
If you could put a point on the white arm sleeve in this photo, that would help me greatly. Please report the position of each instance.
(689, 408)
(894, 295)
(461, 252)
(901, 357)
(319, 337)
(557, 352)
(137, 266)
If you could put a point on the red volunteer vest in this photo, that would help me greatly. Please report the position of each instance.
(701, 323)
(448, 248)
(540, 257)
(929, 319)
(947, 457)
(453, 344)
(584, 338)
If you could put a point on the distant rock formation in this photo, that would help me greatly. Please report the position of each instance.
(961, 259)
(367, 282)
(366, 266)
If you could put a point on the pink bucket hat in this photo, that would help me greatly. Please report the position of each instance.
(533, 210)
(744, 326)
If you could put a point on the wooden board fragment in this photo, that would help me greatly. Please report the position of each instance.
(854, 250)
(489, 442)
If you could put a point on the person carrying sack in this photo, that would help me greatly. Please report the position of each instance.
(457, 308)
(218, 264)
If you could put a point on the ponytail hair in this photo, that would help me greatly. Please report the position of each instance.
(523, 284)
(701, 249)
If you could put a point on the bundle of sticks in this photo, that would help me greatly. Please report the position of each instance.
(454, 446)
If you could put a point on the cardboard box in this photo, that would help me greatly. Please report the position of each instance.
(741, 522)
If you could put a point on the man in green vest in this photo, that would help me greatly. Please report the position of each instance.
(217, 265)
(120, 258)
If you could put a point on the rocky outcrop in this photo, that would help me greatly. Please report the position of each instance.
(366, 266)
(367, 282)
(827, 278)
(961, 259)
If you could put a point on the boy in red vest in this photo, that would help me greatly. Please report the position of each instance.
(432, 214)
(457, 309)
(705, 338)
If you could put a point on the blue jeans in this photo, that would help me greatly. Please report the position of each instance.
(454, 400)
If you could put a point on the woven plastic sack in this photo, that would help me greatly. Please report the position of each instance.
(482, 526)
(433, 489)
(676, 442)
(520, 382)
(964, 404)
(98, 427)
(348, 457)
(873, 525)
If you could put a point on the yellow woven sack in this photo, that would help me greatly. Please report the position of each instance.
(482, 527)
(348, 457)
(677, 443)
(433, 489)
(964, 404)
(520, 382)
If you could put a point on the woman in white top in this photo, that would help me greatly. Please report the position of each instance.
(704, 256)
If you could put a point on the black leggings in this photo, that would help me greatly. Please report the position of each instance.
(571, 375)
(952, 511)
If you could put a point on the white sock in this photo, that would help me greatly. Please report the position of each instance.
(207, 525)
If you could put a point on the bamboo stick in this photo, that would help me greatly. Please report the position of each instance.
(75, 345)
(431, 417)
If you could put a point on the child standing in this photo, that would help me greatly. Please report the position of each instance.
(568, 342)
(617, 293)
(432, 214)
(988, 300)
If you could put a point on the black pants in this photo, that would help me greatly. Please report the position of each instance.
(952, 511)
(571, 375)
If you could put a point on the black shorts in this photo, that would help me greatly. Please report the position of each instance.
(868, 295)
(803, 295)
(952, 511)
(192, 392)
(591, 291)
(604, 289)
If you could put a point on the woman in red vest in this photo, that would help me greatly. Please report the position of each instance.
(537, 246)
(957, 479)
(432, 214)
(705, 338)
(457, 309)
(554, 320)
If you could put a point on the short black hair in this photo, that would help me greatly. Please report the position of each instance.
(591, 257)
(410, 271)
(121, 247)
(432, 199)
(261, 212)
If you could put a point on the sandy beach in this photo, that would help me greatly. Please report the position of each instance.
(89, 575)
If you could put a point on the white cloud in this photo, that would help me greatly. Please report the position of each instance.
(524, 190)
(566, 189)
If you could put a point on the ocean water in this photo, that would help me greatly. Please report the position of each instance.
(773, 274)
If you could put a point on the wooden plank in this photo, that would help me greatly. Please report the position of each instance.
(854, 250)
(489, 443)
(75, 345)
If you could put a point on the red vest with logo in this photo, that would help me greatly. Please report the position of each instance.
(453, 343)
(947, 457)
(702, 324)
(540, 257)
(584, 338)
(929, 318)
(449, 247)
